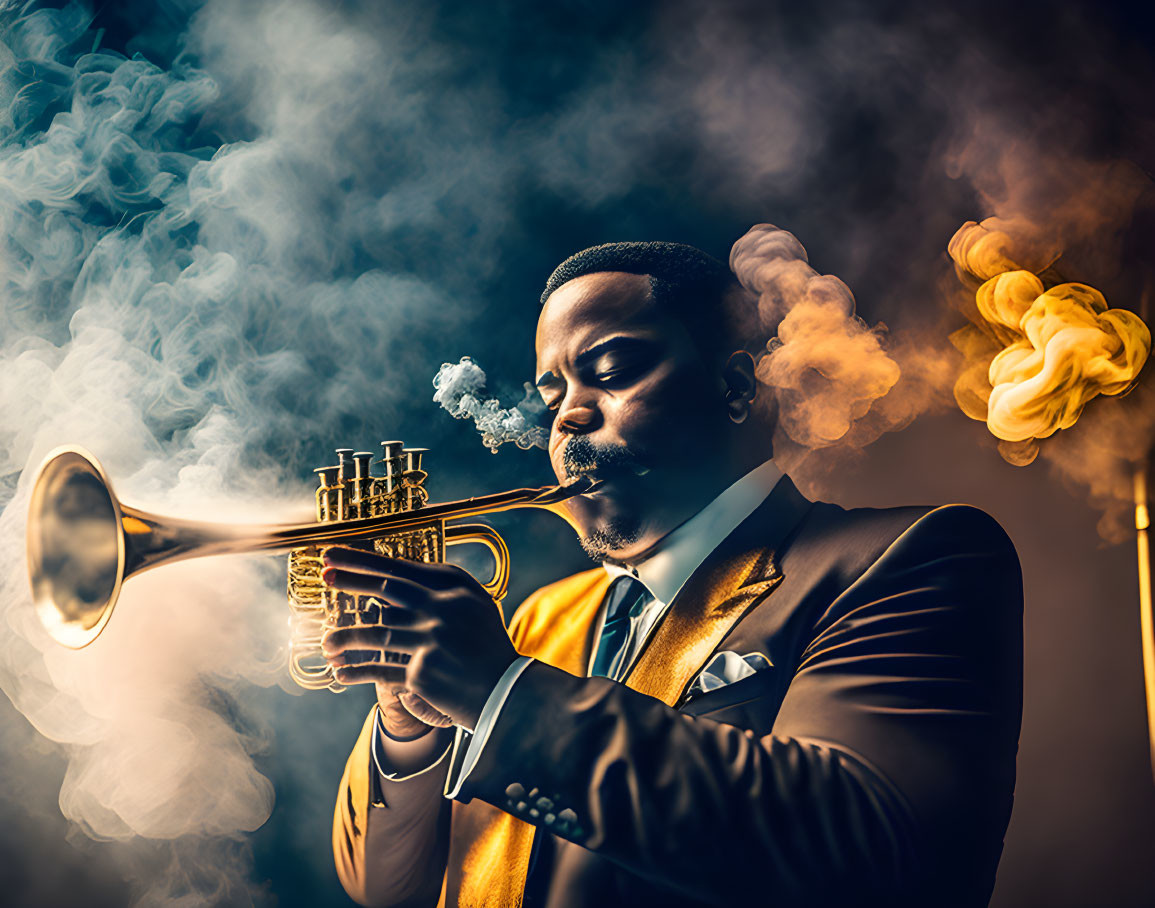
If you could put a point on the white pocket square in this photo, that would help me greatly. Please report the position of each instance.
(725, 668)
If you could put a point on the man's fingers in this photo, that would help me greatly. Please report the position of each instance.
(396, 590)
(435, 576)
(354, 656)
(357, 559)
(370, 674)
(353, 639)
(344, 638)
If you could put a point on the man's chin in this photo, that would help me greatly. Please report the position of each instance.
(609, 539)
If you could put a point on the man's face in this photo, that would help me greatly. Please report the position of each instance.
(634, 404)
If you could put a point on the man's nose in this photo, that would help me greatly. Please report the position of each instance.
(579, 419)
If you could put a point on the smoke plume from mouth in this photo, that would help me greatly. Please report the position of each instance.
(460, 390)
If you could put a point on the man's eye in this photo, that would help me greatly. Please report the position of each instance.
(620, 375)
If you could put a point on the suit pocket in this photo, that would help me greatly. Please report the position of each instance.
(762, 685)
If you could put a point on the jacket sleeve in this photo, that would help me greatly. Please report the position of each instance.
(887, 775)
(390, 838)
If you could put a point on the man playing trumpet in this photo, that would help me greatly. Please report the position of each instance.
(754, 697)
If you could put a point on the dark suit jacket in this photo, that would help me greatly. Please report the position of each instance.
(873, 764)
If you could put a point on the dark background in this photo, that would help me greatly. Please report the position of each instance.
(515, 134)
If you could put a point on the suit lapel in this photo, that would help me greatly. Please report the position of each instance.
(739, 574)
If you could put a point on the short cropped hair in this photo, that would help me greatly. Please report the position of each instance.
(695, 286)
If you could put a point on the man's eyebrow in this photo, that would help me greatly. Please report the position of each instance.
(610, 344)
(546, 378)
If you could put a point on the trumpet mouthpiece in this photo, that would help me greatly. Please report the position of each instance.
(578, 486)
(557, 494)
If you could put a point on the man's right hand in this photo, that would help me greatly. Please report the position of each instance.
(404, 714)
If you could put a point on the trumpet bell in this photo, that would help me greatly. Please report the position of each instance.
(76, 546)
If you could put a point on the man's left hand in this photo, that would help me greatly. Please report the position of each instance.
(438, 614)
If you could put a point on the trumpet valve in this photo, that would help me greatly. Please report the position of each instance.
(413, 478)
(326, 494)
(359, 505)
(391, 463)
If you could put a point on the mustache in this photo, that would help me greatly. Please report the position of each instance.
(582, 456)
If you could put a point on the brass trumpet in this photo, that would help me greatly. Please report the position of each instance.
(83, 543)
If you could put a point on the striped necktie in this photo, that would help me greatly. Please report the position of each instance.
(626, 599)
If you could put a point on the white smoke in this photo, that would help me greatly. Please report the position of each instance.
(460, 389)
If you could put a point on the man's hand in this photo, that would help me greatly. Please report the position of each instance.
(438, 614)
(406, 715)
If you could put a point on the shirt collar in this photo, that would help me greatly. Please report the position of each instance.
(681, 552)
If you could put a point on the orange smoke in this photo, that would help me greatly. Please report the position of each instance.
(826, 367)
(1036, 354)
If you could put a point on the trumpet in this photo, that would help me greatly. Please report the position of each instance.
(84, 544)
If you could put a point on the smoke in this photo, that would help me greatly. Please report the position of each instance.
(93, 351)
(239, 234)
(459, 389)
(1054, 348)
(834, 383)
(824, 365)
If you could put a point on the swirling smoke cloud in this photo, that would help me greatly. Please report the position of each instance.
(1058, 371)
(1038, 354)
(125, 331)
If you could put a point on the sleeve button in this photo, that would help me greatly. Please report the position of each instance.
(515, 792)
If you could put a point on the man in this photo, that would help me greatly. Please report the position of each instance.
(756, 699)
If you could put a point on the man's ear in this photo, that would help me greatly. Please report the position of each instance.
(741, 385)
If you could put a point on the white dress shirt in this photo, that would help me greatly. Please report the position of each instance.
(663, 573)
